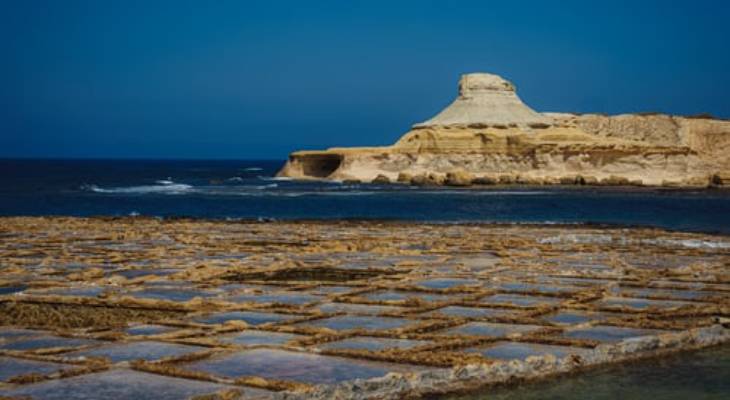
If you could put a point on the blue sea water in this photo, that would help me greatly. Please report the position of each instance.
(248, 189)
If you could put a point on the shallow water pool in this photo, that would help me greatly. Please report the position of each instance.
(702, 375)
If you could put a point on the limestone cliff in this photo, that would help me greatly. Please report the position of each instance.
(488, 135)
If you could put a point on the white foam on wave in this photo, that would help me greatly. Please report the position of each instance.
(168, 186)
(275, 178)
(240, 179)
(268, 186)
(253, 169)
(171, 188)
(167, 181)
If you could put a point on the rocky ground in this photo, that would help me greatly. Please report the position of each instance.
(152, 308)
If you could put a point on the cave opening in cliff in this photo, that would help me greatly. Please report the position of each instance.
(321, 165)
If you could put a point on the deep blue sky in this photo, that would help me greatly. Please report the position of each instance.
(245, 79)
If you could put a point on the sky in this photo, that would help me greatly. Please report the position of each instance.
(259, 79)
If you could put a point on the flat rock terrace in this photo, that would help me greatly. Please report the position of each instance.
(150, 308)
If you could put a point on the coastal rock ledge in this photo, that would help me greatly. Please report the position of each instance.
(489, 136)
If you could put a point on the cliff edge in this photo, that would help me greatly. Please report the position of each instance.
(487, 135)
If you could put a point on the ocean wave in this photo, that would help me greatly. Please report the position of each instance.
(168, 186)
(167, 181)
(275, 178)
(253, 169)
(239, 179)
(269, 186)
(171, 188)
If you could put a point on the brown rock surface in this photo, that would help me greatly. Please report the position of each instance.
(381, 179)
(459, 178)
(488, 131)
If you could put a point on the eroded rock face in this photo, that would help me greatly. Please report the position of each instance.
(459, 178)
(709, 138)
(489, 134)
(657, 129)
(485, 100)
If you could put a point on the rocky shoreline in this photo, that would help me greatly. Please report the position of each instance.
(488, 136)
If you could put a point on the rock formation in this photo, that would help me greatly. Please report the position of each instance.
(488, 135)
(489, 100)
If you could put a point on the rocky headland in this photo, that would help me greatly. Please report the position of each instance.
(489, 136)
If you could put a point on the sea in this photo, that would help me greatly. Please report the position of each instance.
(249, 189)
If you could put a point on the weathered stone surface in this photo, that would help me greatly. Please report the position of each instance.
(720, 180)
(506, 179)
(381, 179)
(488, 131)
(404, 177)
(614, 180)
(484, 180)
(427, 179)
(487, 100)
(459, 178)
(419, 180)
